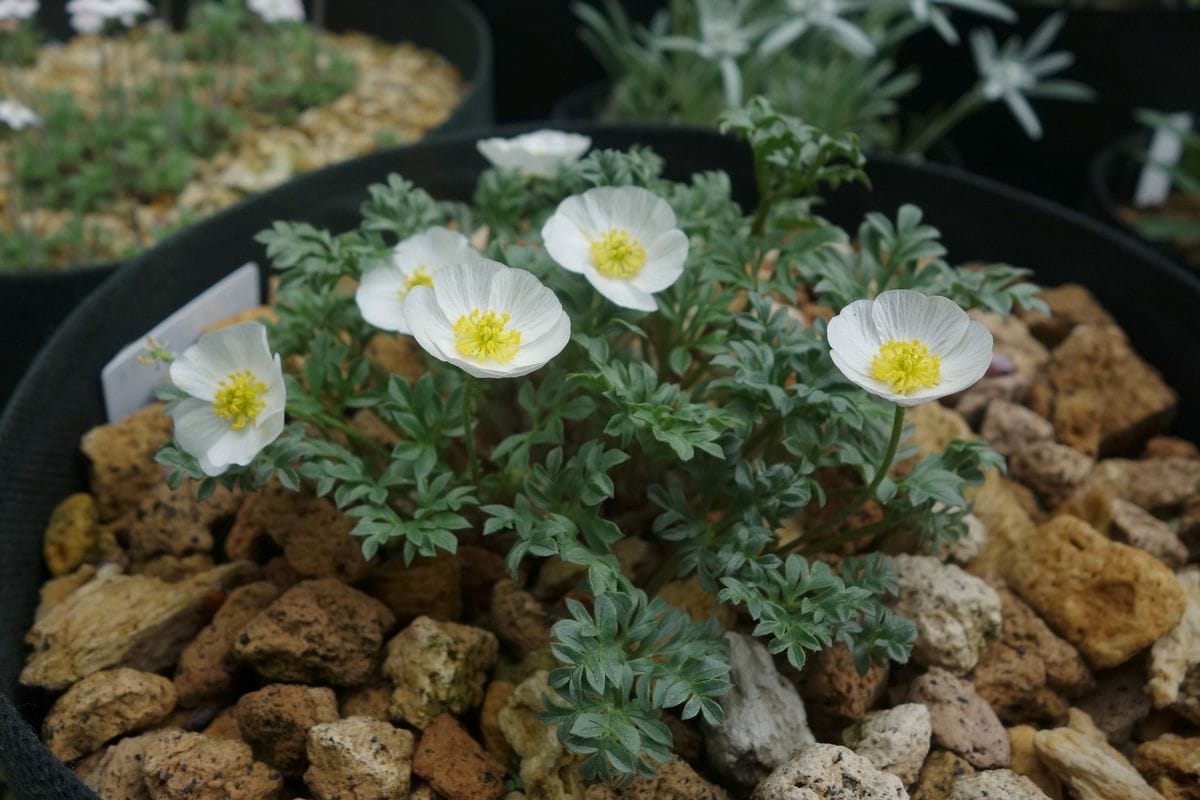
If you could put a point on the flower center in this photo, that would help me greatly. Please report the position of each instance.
(420, 277)
(906, 366)
(481, 335)
(239, 399)
(617, 254)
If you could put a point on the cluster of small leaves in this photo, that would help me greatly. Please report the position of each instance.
(624, 659)
(792, 158)
(908, 254)
(710, 426)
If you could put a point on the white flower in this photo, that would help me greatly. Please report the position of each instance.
(414, 262)
(539, 153)
(1014, 72)
(624, 240)
(909, 348)
(18, 116)
(820, 15)
(927, 11)
(488, 320)
(90, 16)
(237, 397)
(272, 11)
(15, 10)
(724, 37)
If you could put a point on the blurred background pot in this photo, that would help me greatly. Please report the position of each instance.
(33, 303)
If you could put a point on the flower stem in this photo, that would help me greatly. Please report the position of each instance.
(470, 385)
(663, 575)
(938, 127)
(760, 215)
(885, 465)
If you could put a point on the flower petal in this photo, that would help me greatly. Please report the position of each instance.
(968, 361)
(379, 298)
(852, 336)
(903, 314)
(462, 288)
(666, 255)
(202, 366)
(429, 325)
(566, 235)
(534, 308)
(535, 354)
(197, 429)
(622, 293)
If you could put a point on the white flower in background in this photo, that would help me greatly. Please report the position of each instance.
(413, 262)
(623, 239)
(909, 348)
(273, 11)
(488, 320)
(827, 16)
(90, 16)
(724, 38)
(18, 116)
(1015, 72)
(17, 10)
(237, 397)
(539, 153)
(928, 12)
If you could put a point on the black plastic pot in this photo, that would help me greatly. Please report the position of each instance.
(59, 398)
(1132, 59)
(32, 304)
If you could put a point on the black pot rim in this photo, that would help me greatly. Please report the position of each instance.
(83, 318)
(478, 94)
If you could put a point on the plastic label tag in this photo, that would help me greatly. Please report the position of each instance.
(129, 384)
(1154, 183)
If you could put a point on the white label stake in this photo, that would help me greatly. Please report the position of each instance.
(129, 384)
(1154, 182)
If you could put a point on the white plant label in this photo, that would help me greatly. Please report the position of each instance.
(129, 384)
(1154, 183)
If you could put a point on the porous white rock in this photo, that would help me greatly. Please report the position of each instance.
(829, 772)
(957, 614)
(1175, 658)
(895, 740)
(765, 721)
(996, 784)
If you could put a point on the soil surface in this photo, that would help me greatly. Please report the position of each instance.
(247, 650)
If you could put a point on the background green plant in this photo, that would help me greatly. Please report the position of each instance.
(837, 70)
(154, 122)
(1185, 178)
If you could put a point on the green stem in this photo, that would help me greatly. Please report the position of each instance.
(760, 216)
(938, 127)
(833, 542)
(885, 465)
(327, 421)
(663, 575)
(469, 391)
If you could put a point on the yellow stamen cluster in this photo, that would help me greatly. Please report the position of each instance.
(481, 335)
(906, 366)
(239, 399)
(618, 254)
(419, 277)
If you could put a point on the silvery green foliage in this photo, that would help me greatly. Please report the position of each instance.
(831, 62)
(707, 426)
